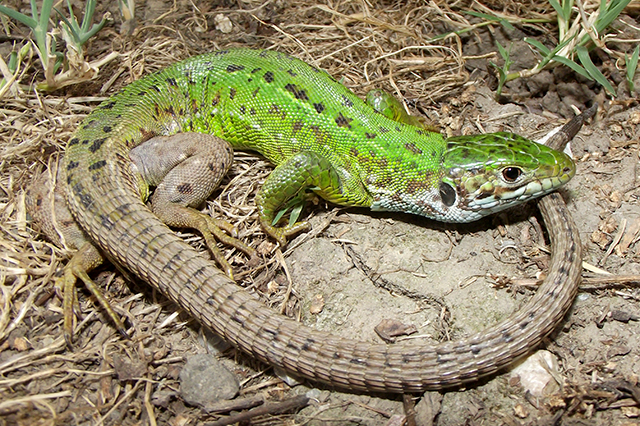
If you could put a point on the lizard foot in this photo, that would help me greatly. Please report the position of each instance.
(212, 230)
(85, 259)
(280, 233)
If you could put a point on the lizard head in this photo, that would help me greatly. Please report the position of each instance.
(484, 174)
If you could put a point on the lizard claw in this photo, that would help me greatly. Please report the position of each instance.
(280, 233)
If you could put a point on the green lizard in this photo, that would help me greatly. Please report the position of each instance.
(322, 139)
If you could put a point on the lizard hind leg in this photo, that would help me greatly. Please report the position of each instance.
(186, 168)
(46, 204)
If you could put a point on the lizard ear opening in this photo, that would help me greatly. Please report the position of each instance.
(447, 194)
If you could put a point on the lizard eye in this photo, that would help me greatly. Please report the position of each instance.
(447, 194)
(511, 174)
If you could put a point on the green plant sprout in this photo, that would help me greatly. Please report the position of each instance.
(12, 71)
(45, 43)
(576, 35)
(78, 35)
(503, 71)
(68, 67)
(632, 65)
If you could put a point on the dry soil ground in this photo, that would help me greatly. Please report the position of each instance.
(356, 268)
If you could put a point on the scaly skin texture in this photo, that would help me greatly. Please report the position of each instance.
(323, 137)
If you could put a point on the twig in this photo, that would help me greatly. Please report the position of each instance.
(296, 402)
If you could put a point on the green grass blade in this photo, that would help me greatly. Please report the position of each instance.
(632, 62)
(34, 10)
(503, 52)
(13, 14)
(611, 12)
(502, 21)
(585, 60)
(295, 214)
(632, 66)
(277, 218)
(560, 10)
(567, 5)
(577, 68)
(70, 28)
(89, 9)
(541, 47)
(45, 13)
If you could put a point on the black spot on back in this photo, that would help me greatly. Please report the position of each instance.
(184, 188)
(216, 99)
(297, 92)
(413, 148)
(343, 121)
(97, 144)
(297, 126)
(106, 221)
(98, 165)
(234, 67)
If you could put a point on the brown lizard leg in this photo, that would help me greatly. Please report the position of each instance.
(48, 209)
(185, 169)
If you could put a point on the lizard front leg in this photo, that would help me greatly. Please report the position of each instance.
(389, 106)
(289, 184)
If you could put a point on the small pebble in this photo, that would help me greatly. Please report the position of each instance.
(204, 380)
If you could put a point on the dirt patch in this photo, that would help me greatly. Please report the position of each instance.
(357, 268)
